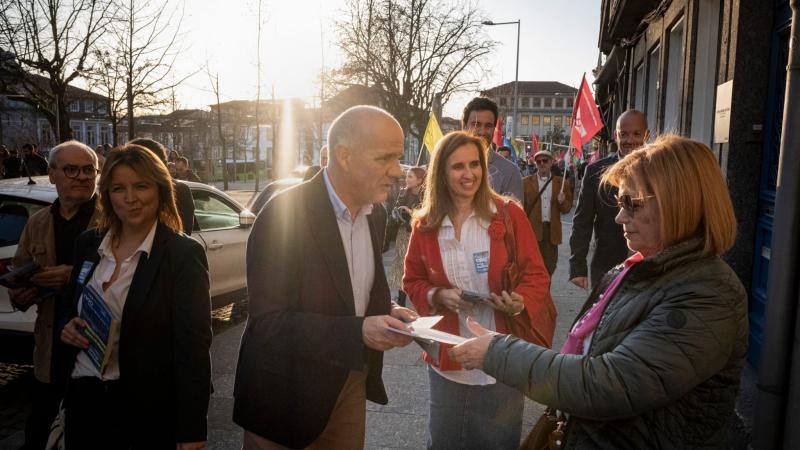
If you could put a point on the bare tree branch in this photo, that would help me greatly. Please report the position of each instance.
(412, 50)
(51, 38)
(141, 48)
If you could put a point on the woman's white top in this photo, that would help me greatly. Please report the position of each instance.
(466, 264)
(114, 297)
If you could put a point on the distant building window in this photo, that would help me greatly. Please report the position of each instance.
(535, 119)
(45, 135)
(523, 120)
(672, 107)
(88, 106)
(91, 139)
(524, 102)
(502, 101)
(546, 121)
(105, 137)
(652, 88)
(638, 91)
(569, 103)
(568, 121)
(557, 121)
(75, 106)
(535, 102)
(77, 130)
(101, 108)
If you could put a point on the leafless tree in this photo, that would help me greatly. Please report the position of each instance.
(410, 50)
(135, 65)
(52, 38)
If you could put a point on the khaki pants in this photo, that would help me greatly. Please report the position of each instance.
(346, 427)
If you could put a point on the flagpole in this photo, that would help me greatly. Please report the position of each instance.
(566, 169)
(419, 157)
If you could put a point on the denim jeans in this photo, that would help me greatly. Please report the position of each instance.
(473, 417)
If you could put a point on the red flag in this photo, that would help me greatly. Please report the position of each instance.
(586, 119)
(534, 142)
(498, 134)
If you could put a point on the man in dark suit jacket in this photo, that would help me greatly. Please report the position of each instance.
(597, 208)
(319, 310)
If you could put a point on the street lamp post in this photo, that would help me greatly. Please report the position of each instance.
(516, 75)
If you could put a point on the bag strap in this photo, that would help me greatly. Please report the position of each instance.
(541, 191)
(510, 239)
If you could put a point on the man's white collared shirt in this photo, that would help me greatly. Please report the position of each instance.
(357, 242)
(546, 197)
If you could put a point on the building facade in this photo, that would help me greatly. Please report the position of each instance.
(670, 59)
(545, 108)
(21, 122)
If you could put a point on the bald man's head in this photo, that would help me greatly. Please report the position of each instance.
(631, 132)
(365, 145)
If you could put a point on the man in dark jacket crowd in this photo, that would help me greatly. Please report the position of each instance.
(597, 208)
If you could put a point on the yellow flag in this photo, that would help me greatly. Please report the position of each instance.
(432, 133)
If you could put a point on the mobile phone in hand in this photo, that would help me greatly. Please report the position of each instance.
(474, 297)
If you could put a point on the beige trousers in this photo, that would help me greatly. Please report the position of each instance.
(346, 427)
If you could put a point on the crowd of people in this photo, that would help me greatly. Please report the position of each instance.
(652, 359)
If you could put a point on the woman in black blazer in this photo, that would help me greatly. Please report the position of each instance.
(153, 392)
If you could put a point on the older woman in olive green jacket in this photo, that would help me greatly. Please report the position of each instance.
(654, 357)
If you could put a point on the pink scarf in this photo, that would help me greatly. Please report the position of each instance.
(589, 321)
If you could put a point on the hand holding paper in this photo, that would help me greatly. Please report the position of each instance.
(472, 352)
(422, 328)
(377, 335)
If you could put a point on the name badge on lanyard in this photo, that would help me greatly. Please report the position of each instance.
(481, 260)
(86, 267)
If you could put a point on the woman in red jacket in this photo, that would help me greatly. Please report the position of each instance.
(458, 244)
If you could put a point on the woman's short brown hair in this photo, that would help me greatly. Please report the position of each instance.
(437, 202)
(686, 181)
(145, 163)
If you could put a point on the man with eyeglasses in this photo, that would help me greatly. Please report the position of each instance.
(546, 198)
(597, 208)
(480, 118)
(48, 239)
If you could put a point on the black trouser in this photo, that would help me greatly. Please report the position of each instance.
(95, 415)
(44, 407)
(548, 250)
(401, 298)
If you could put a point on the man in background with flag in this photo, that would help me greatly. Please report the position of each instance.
(480, 118)
(597, 207)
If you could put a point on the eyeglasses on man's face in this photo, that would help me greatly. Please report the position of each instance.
(630, 204)
(72, 171)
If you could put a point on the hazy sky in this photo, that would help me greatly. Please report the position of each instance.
(558, 42)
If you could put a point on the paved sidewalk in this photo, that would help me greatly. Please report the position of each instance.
(402, 424)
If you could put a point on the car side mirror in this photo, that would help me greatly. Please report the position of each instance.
(246, 218)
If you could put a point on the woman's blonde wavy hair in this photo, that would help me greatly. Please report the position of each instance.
(151, 168)
(686, 181)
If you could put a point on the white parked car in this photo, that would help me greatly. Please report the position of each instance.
(222, 226)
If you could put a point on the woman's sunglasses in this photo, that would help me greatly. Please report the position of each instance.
(630, 204)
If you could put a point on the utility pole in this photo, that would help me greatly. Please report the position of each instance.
(274, 136)
(257, 159)
(221, 139)
(321, 84)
